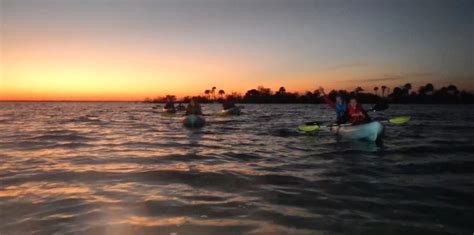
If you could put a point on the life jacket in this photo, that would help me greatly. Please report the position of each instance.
(341, 109)
(353, 118)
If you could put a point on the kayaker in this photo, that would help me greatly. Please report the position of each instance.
(340, 106)
(193, 108)
(169, 104)
(228, 104)
(180, 107)
(357, 114)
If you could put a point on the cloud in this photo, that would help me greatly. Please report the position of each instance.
(396, 77)
(343, 66)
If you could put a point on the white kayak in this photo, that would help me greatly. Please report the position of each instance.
(370, 131)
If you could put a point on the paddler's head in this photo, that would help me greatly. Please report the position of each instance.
(339, 99)
(353, 101)
(193, 102)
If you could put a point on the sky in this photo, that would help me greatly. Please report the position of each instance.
(131, 49)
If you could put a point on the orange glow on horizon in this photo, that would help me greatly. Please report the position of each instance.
(57, 70)
(100, 72)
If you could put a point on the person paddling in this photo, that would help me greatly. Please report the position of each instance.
(228, 104)
(180, 107)
(194, 108)
(169, 106)
(357, 114)
(340, 106)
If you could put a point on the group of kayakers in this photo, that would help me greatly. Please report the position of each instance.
(350, 112)
(193, 107)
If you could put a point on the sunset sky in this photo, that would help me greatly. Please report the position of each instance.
(131, 49)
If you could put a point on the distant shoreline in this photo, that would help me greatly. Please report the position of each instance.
(118, 101)
(72, 101)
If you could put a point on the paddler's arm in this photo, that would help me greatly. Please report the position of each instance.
(326, 98)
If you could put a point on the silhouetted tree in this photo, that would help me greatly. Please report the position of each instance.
(406, 88)
(213, 92)
(170, 97)
(281, 91)
(383, 90)
(426, 94)
(221, 93)
(358, 89)
(208, 93)
(429, 88)
(453, 90)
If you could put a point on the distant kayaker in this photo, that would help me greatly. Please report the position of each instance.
(169, 104)
(340, 106)
(193, 108)
(180, 107)
(357, 114)
(228, 104)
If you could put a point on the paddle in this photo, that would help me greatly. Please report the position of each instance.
(309, 127)
(313, 126)
(396, 120)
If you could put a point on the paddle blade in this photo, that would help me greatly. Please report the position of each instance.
(308, 128)
(400, 120)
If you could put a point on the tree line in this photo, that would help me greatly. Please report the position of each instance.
(405, 94)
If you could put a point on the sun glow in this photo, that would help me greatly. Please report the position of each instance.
(94, 73)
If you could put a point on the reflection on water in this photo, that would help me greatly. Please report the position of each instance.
(120, 168)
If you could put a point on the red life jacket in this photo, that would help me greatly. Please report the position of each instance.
(353, 111)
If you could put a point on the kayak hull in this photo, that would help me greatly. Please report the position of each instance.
(168, 112)
(231, 111)
(371, 131)
(194, 121)
(171, 111)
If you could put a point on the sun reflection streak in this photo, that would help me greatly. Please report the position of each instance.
(38, 192)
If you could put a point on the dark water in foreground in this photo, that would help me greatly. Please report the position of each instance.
(119, 168)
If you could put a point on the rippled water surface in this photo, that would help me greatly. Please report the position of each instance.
(120, 168)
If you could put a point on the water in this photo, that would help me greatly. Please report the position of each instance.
(119, 168)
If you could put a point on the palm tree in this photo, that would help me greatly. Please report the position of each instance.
(376, 89)
(213, 91)
(221, 93)
(208, 93)
(383, 90)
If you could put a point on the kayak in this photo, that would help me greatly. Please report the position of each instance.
(231, 111)
(169, 110)
(194, 121)
(180, 108)
(369, 131)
